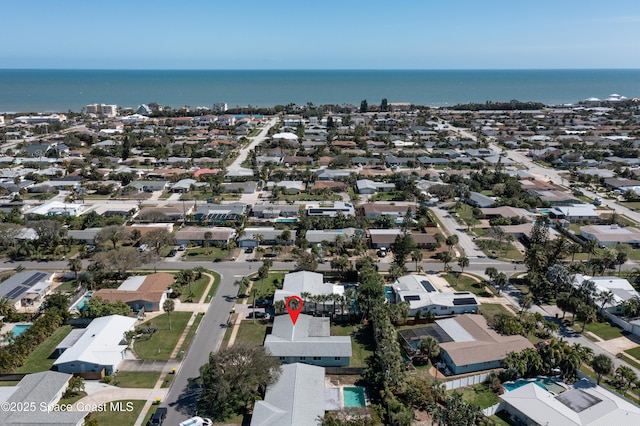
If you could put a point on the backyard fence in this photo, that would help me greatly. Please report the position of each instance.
(490, 411)
(466, 381)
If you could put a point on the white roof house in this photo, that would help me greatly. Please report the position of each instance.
(296, 399)
(57, 208)
(610, 235)
(585, 404)
(423, 296)
(297, 283)
(41, 391)
(621, 288)
(100, 347)
(308, 341)
(574, 212)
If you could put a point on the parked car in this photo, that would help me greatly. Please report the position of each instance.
(143, 248)
(172, 253)
(262, 303)
(158, 417)
(257, 315)
(182, 247)
(382, 252)
(249, 250)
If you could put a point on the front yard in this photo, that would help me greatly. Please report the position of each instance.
(162, 343)
(604, 330)
(466, 283)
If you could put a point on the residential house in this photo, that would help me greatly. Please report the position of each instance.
(149, 185)
(334, 174)
(56, 208)
(264, 210)
(574, 212)
(198, 235)
(296, 399)
(345, 208)
(101, 347)
(366, 186)
(220, 212)
(621, 289)
(26, 288)
(374, 211)
(477, 199)
(248, 187)
(315, 236)
(327, 186)
(253, 237)
(309, 341)
(468, 344)
(38, 394)
(305, 282)
(423, 297)
(140, 292)
(610, 235)
(584, 404)
(288, 186)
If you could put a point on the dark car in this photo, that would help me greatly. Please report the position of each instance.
(262, 303)
(257, 315)
(172, 253)
(249, 250)
(158, 416)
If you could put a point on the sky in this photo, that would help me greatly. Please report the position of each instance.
(329, 34)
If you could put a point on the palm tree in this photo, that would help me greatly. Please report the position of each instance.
(446, 257)
(525, 303)
(416, 256)
(75, 266)
(463, 262)
(429, 347)
(168, 306)
(606, 298)
(601, 365)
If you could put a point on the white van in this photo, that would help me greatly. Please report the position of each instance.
(143, 248)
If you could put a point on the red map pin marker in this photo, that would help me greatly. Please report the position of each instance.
(293, 313)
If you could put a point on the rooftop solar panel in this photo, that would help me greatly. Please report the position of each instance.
(427, 286)
(411, 298)
(465, 301)
(16, 292)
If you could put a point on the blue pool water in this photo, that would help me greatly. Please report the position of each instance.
(389, 293)
(80, 305)
(353, 397)
(545, 383)
(18, 329)
(294, 220)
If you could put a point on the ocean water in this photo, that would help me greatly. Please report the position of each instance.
(63, 90)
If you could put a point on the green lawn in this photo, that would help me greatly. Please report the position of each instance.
(214, 287)
(465, 283)
(479, 395)
(137, 379)
(194, 291)
(465, 212)
(67, 286)
(635, 352)
(266, 288)
(604, 330)
(163, 341)
(168, 379)
(504, 250)
(500, 418)
(628, 359)
(38, 360)
(72, 399)
(362, 344)
(490, 310)
(127, 413)
(207, 254)
(252, 333)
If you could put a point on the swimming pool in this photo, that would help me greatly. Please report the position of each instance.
(294, 220)
(18, 329)
(353, 397)
(82, 302)
(545, 383)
